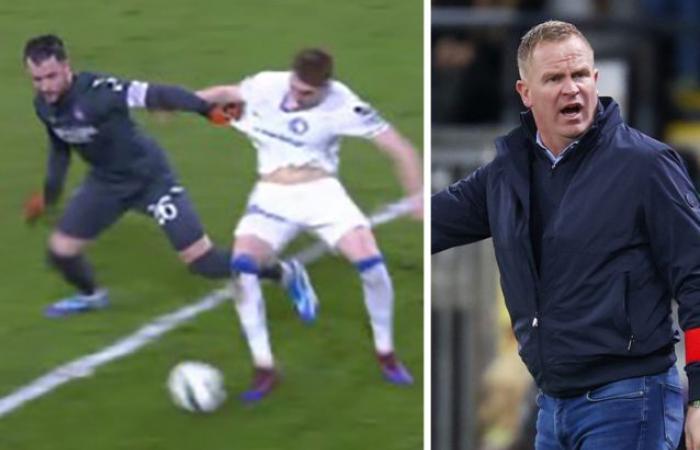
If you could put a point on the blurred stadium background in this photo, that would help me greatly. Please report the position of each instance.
(648, 53)
(332, 396)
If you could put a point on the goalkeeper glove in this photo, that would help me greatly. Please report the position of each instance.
(34, 207)
(224, 114)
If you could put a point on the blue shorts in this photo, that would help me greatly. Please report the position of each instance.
(96, 205)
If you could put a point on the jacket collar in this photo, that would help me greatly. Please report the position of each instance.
(515, 146)
(607, 117)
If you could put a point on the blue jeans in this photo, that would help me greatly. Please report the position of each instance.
(631, 414)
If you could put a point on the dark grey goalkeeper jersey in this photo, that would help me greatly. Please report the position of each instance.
(93, 118)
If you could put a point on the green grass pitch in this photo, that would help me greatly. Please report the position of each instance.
(332, 396)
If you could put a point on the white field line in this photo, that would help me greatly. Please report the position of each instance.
(85, 366)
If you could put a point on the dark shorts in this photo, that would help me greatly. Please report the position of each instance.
(96, 205)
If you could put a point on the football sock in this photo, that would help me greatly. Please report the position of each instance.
(274, 271)
(75, 270)
(379, 301)
(244, 263)
(213, 264)
(250, 307)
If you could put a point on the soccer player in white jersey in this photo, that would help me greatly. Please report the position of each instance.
(296, 119)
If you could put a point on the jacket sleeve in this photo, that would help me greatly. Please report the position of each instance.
(460, 213)
(672, 215)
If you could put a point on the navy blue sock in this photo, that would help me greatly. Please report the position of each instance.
(245, 263)
(272, 272)
(213, 264)
(75, 270)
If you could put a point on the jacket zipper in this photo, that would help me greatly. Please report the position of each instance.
(536, 330)
(535, 324)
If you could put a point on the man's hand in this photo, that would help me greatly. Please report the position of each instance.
(224, 114)
(692, 429)
(34, 207)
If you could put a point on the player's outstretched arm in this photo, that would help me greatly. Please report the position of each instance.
(221, 95)
(407, 163)
(163, 97)
(174, 98)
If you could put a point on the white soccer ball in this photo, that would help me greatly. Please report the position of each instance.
(196, 386)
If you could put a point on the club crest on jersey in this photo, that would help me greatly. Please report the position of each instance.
(78, 114)
(298, 125)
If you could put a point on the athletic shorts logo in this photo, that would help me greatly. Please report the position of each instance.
(164, 210)
(298, 125)
(692, 199)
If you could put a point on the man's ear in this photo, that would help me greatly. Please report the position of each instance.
(524, 91)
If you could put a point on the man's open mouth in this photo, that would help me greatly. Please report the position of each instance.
(572, 109)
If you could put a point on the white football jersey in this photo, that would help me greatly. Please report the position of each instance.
(308, 137)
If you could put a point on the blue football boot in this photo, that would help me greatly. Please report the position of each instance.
(264, 380)
(393, 371)
(78, 304)
(300, 291)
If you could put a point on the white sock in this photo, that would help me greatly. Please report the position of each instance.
(379, 301)
(250, 306)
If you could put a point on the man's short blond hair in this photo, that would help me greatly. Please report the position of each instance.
(550, 31)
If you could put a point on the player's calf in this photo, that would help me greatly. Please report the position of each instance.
(379, 300)
(75, 270)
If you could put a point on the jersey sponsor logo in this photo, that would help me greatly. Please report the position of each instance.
(76, 135)
(298, 125)
(279, 137)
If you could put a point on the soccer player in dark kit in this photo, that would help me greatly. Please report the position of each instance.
(128, 170)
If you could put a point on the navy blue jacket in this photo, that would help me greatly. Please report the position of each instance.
(623, 242)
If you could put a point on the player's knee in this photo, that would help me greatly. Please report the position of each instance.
(244, 263)
(63, 245)
(193, 251)
(358, 244)
(212, 264)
